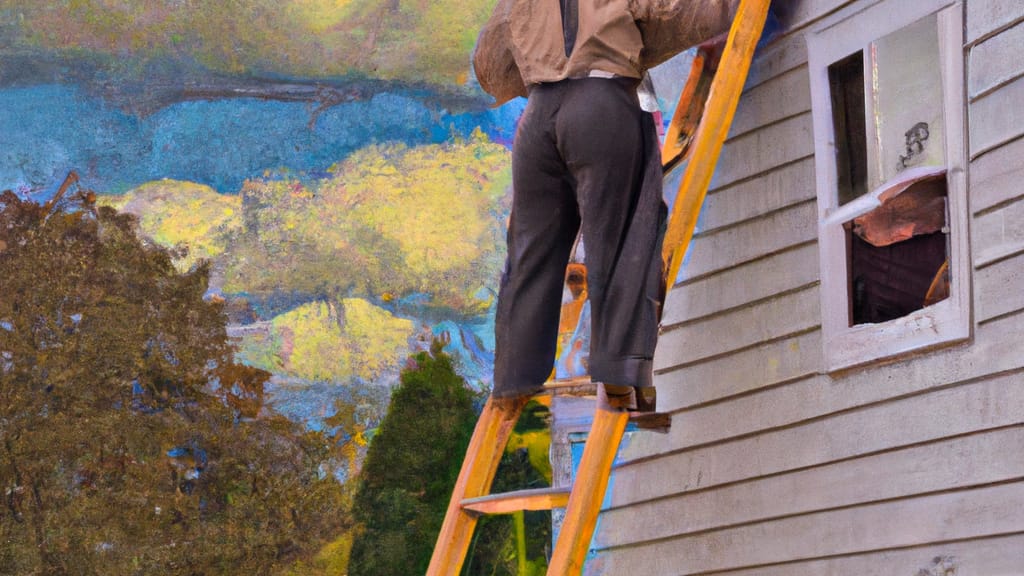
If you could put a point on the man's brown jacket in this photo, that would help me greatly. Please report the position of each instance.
(523, 42)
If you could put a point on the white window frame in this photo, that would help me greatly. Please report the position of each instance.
(848, 31)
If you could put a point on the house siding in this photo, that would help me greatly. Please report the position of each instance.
(774, 467)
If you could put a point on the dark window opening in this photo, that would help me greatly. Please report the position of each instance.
(899, 254)
(846, 81)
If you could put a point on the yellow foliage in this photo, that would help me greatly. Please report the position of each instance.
(312, 343)
(183, 214)
(376, 338)
(538, 447)
(389, 222)
(437, 203)
(320, 16)
(391, 219)
(418, 41)
(319, 342)
(331, 560)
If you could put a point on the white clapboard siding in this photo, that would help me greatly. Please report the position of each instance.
(775, 59)
(785, 360)
(997, 118)
(995, 61)
(997, 556)
(736, 245)
(999, 288)
(836, 419)
(984, 17)
(778, 188)
(742, 328)
(781, 272)
(998, 234)
(760, 105)
(976, 459)
(997, 177)
(813, 397)
(947, 516)
(766, 409)
(806, 12)
(772, 146)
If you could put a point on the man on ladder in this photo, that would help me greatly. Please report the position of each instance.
(586, 159)
(585, 155)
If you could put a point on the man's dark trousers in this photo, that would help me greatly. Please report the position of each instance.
(585, 153)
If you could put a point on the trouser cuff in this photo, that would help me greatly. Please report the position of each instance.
(635, 371)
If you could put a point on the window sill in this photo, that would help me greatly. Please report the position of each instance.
(934, 326)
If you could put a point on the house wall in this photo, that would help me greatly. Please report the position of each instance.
(774, 467)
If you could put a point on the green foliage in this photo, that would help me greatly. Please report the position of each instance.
(410, 469)
(128, 443)
(533, 436)
(496, 548)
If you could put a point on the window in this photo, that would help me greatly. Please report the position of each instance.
(887, 98)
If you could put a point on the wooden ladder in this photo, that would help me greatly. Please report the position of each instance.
(696, 134)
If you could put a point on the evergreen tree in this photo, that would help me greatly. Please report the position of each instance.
(410, 471)
(411, 468)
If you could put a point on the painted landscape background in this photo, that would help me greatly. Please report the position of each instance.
(323, 180)
(333, 159)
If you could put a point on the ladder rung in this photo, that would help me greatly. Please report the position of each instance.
(508, 502)
(583, 386)
(576, 386)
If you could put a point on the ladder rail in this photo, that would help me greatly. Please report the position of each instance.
(479, 466)
(719, 111)
(689, 109)
(585, 498)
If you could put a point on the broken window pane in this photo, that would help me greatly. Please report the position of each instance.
(898, 252)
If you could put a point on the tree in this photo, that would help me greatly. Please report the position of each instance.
(323, 341)
(129, 437)
(410, 468)
(410, 471)
(392, 222)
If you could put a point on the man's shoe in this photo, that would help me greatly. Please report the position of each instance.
(627, 398)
